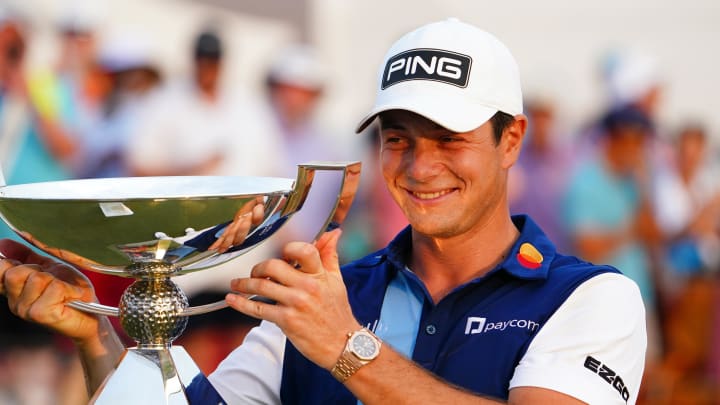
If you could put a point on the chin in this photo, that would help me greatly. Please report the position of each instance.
(433, 230)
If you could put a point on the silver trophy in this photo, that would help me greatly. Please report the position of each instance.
(152, 229)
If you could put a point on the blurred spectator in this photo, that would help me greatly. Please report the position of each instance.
(68, 97)
(295, 83)
(24, 155)
(687, 205)
(200, 126)
(537, 180)
(633, 79)
(607, 211)
(30, 362)
(127, 58)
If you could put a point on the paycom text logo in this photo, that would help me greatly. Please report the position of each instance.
(476, 324)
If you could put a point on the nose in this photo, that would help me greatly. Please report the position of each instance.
(423, 161)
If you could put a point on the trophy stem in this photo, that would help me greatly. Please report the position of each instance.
(151, 312)
(151, 309)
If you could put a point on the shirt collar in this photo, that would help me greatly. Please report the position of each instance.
(529, 258)
(532, 252)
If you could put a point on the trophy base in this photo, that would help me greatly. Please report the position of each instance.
(149, 376)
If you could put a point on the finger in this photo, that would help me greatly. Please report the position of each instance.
(14, 250)
(305, 255)
(34, 286)
(277, 270)
(258, 213)
(5, 265)
(261, 286)
(228, 236)
(255, 309)
(22, 253)
(50, 306)
(224, 241)
(243, 227)
(216, 245)
(236, 232)
(14, 279)
(246, 208)
(327, 248)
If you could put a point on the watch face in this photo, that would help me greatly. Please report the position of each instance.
(364, 346)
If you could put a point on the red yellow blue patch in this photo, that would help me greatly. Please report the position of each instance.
(529, 257)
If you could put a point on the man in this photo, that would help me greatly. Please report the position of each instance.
(482, 303)
(295, 84)
(607, 209)
(202, 125)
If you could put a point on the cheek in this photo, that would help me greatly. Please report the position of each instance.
(389, 163)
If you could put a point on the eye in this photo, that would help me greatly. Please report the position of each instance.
(393, 138)
(449, 138)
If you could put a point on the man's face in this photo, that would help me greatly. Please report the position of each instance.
(207, 73)
(446, 183)
(627, 149)
(294, 103)
(691, 148)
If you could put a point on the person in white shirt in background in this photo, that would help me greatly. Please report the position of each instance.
(203, 126)
(295, 83)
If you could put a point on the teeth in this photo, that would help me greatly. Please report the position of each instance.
(430, 196)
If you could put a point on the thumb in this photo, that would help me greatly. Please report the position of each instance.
(327, 247)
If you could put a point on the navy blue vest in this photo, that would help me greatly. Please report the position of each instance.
(475, 336)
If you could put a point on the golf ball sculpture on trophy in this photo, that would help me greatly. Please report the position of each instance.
(152, 229)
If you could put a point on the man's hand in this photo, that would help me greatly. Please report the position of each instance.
(38, 287)
(312, 306)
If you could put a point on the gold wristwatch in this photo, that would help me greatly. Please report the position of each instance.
(362, 347)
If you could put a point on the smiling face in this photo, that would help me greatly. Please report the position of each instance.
(447, 183)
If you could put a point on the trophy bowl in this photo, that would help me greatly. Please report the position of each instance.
(151, 229)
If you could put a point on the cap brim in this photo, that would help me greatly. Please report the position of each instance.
(462, 118)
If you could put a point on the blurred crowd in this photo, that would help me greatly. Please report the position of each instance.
(620, 190)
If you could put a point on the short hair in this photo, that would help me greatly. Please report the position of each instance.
(500, 121)
(626, 117)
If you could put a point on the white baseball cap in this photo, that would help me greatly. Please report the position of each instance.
(451, 73)
(298, 65)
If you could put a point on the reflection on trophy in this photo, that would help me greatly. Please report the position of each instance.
(151, 229)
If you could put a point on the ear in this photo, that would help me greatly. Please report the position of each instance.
(512, 139)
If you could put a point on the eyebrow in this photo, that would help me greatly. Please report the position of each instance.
(390, 123)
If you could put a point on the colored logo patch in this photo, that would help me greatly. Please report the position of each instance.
(529, 256)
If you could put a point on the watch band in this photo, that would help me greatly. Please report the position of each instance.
(348, 363)
(345, 367)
